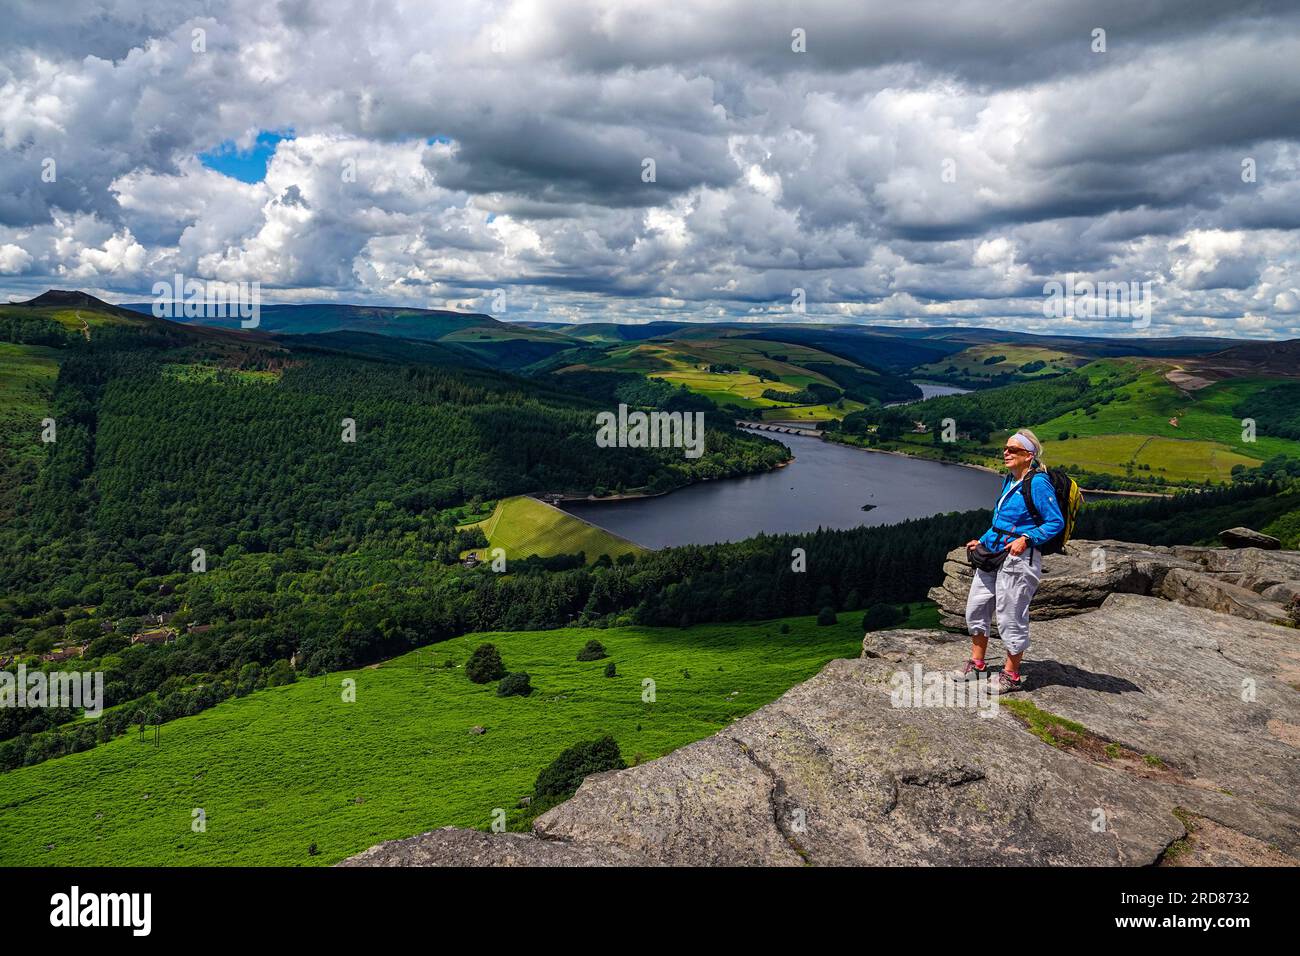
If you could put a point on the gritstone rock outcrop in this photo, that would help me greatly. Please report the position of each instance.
(1161, 724)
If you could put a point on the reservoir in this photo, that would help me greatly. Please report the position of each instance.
(932, 391)
(824, 487)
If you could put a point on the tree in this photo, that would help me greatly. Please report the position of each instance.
(880, 616)
(515, 685)
(280, 673)
(567, 771)
(485, 665)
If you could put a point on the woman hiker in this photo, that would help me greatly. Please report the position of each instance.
(1008, 564)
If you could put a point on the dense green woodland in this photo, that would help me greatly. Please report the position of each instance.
(983, 412)
(157, 456)
(384, 597)
(149, 466)
(1276, 410)
(339, 553)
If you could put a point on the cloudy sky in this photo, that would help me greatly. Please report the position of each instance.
(919, 163)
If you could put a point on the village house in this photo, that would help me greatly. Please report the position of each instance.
(162, 635)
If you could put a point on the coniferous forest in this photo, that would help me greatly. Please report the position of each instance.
(295, 507)
(334, 553)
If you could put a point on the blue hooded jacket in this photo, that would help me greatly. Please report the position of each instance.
(1012, 515)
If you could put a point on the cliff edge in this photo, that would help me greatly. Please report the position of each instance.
(1161, 724)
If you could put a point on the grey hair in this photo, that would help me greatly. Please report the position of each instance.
(1038, 446)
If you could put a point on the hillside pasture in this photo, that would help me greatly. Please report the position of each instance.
(971, 363)
(524, 527)
(298, 776)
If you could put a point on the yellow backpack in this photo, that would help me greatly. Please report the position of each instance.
(1069, 498)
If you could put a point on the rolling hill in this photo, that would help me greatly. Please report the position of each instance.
(524, 527)
(1137, 420)
(484, 340)
(1000, 362)
(748, 373)
(334, 777)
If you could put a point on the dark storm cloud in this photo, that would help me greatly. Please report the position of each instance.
(928, 161)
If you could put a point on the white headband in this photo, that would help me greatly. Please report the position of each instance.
(1024, 442)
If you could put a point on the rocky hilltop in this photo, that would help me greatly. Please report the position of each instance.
(1161, 725)
(1256, 583)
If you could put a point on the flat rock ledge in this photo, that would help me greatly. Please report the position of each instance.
(1246, 538)
(1186, 748)
(1250, 582)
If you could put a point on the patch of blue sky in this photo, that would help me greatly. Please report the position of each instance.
(247, 165)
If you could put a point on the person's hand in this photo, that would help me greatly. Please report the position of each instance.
(971, 544)
(1018, 546)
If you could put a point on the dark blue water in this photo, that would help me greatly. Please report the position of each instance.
(932, 391)
(825, 486)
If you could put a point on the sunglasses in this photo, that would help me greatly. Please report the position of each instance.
(1016, 450)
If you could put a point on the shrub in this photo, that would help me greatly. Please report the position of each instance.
(484, 665)
(280, 674)
(592, 651)
(611, 670)
(785, 628)
(561, 779)
(826, 616)
(880, 616)
(515, 685)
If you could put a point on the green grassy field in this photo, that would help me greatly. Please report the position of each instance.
(1206, 442)
(27, 374)
(1166, 457)
(815, 413)
(971, 362)
(685, 362)
(525, 527)
(289, 767)
(1133, 433)
(75, 320)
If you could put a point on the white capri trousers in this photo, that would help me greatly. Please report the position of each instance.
(1008, 590)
